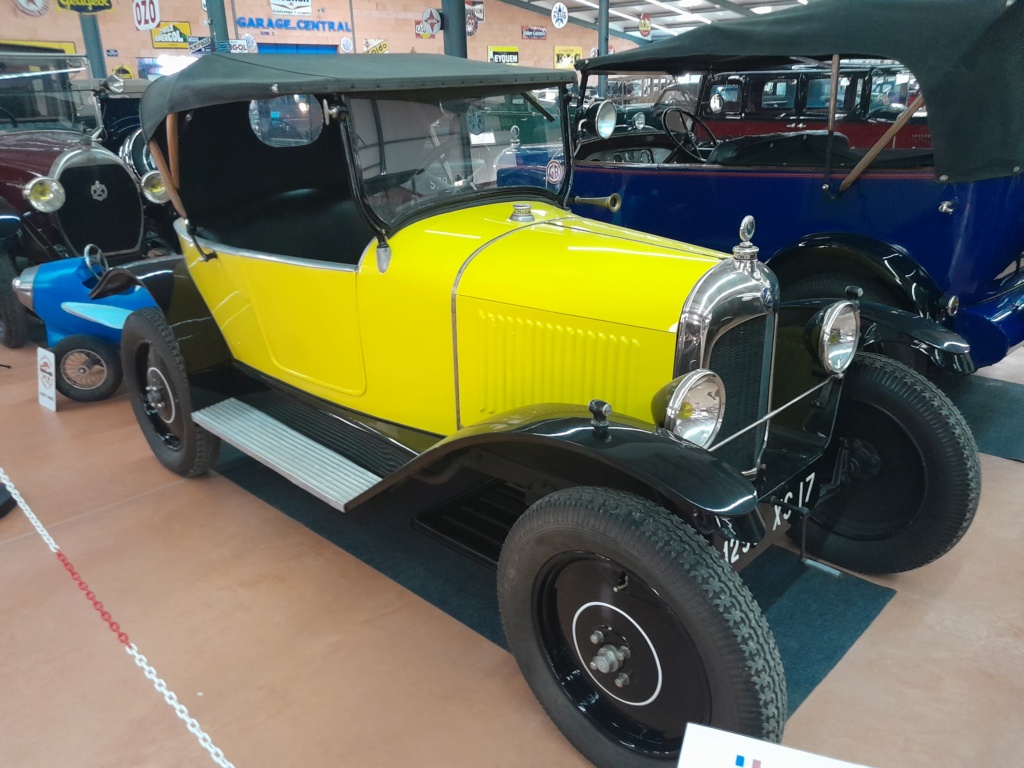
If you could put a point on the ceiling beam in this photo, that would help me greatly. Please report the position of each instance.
(728, 5)
(527, 5)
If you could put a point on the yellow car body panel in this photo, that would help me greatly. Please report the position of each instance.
(586, 269)
(559, 309)
(511, 356)
(296, 322)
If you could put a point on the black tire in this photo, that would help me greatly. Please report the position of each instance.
(88, 368)
(832, 285)
(13, 317)
(909, 475)
(154, 375)
(687, 618)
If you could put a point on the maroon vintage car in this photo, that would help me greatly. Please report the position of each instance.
(60, 190)
(795, 98)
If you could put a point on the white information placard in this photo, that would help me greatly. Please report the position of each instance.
(705, 747)
(46, 372)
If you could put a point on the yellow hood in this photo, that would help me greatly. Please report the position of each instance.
(587, 269)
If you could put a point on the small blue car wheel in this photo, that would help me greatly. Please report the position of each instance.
(88, 368)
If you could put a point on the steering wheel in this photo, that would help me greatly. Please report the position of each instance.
(686, 140)
(436, 155)
(10, 116)
(95, 260)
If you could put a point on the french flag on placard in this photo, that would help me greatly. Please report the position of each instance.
(741, 762)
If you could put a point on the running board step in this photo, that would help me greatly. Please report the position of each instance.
(327, 475)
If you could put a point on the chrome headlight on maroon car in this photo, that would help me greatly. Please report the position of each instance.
(154, 189)
(44, 194)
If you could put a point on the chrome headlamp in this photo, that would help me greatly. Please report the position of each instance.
(692, 406)
(154, 188)
(834, 333)
(601, 118)
(44, 194)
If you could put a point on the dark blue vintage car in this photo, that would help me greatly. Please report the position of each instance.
(860, 189)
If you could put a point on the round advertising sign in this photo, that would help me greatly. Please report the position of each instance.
(559, 15)
(346, 45)
(431, 21)
(645, 25)
(471, 22)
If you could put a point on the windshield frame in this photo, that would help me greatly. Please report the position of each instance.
(446, 204)
(75, 98)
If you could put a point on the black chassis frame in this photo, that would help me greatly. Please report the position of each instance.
(533, 450)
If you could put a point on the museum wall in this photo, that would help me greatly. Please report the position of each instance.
(330, 25)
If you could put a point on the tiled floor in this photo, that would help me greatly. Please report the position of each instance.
(289, 652)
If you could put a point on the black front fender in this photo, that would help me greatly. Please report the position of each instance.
(10, 220)
(889, 264)
(882, 325)
(544, 448)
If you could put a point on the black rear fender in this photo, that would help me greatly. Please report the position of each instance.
(169, 283)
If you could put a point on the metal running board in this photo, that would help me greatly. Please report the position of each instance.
(327, 475)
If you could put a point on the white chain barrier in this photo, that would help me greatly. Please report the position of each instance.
(169, 696)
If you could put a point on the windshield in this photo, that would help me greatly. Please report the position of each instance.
(892, 92)
(415, 153)
(36, 91)
(647, 88)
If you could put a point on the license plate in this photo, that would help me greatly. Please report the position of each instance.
(801, 492)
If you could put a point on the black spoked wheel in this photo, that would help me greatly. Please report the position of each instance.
(88, 368)
(13, 318)
(157, 385)
(907, 477)
(627, 626)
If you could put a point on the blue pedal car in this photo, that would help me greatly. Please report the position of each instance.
(84, 334)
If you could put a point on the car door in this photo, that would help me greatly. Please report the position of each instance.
(283, 284)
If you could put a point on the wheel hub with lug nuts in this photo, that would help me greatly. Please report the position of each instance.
(609, 659)
(158, 396)
(154, 396)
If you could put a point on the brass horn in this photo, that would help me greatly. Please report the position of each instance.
(613, 202)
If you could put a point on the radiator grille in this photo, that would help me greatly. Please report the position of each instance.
(738, 358)
(103, 208)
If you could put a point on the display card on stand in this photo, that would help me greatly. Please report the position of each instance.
(705, 747)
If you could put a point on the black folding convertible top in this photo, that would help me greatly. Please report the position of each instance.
(968, 56)
(225, 77)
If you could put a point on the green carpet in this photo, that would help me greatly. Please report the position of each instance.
(816, 617)
(995, 411)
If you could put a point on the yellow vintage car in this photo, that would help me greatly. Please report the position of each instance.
(367, 304)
